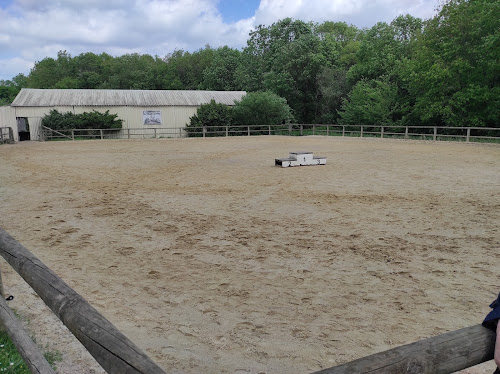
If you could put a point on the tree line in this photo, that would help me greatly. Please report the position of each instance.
(444, 71)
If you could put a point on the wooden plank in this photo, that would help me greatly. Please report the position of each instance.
(28, 350)
(113, 350)
(442, 354)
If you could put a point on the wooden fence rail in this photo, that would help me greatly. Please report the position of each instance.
(111, 349)
(467, 134)
(442, 354)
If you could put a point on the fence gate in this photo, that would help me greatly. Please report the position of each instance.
(6, 135)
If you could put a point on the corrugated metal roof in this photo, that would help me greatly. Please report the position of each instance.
(31, 97)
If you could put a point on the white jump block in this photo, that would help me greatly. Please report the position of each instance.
(300, 159)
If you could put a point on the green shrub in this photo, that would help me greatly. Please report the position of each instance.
(262, 109)
(213, 115)
(86, 120)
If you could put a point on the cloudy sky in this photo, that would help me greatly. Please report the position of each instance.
(31, 30)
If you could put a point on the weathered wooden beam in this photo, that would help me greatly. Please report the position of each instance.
(28, 350)
(111, 349)
(442, 354)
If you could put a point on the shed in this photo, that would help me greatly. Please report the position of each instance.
(139, 109)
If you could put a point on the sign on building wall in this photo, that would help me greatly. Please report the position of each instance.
(151, 117)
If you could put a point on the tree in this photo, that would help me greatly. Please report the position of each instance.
(285, 58)
(220, 74)
(261, 109)
(370, 103)
(10, 88)
(456, 75)
(333, 87)
(213, 115)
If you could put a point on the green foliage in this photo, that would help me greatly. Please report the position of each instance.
(220, 74)
(86, 120)
(456, 72)
(10, 88)
(256, 109)
(12, 362)
(333, 87)
(216, 116)
(370, 103)
(7, 94)
(262, 109)
(285, 58)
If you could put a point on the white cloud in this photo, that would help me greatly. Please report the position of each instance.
(362, 13)
(31, 30)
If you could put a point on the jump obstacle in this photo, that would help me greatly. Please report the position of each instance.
(300, 159)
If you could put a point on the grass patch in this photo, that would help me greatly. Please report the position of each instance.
(12, 362)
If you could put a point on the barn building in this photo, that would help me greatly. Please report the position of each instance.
(140, 110)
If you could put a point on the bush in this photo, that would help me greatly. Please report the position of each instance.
(86, 120)
(262, 109)
(216, 116)
(257, 109)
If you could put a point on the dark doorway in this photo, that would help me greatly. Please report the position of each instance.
(23, 128)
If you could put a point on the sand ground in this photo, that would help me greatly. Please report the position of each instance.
(213, 260)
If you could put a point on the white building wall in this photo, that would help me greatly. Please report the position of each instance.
(8, 119)
(173, 117)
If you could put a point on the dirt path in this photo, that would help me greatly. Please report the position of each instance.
(212, 260)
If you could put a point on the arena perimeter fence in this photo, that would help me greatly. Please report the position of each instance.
(436, 133)
(443, 354)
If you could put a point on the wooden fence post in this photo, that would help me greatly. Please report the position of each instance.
(2, 292)
(111, 349)
(468, 134)
(361, 131)
(343, 130)
(314, 129)
(102, 137)
(406, 132)
(28, 350)
(446, 353)
(204, 131)
(434, 137)
(227, 131)
(327, 130)
(301, 129)
(269, 129)
(382, 131)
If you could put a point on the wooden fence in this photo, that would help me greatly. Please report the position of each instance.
(467, 134)
(442, 354)
(111, 349)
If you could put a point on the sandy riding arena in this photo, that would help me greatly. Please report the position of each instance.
(213, 260)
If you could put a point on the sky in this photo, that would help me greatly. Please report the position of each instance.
(31, 30)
